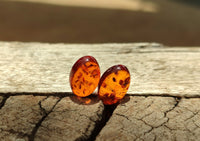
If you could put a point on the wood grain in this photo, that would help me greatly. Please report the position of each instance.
(38, 118)
(154, 119)
(36, 102)
(44, 68)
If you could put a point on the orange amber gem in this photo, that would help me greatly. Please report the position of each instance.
(84, 76)
(114, 84)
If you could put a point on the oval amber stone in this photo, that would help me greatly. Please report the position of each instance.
(84, 76)
(114, 84)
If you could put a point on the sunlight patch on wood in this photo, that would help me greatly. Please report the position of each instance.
(133, 5)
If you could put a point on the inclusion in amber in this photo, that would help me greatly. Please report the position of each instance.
(114, 84)
(84, 76)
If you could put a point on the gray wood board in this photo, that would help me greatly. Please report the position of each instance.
(45, 68)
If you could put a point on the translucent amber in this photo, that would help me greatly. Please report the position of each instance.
(114, 84)
(84, 76)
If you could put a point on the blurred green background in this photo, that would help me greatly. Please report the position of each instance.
(170, 22)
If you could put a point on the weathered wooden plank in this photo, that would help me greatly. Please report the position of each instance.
(48, 118)
(38, 67)
(44, 68)
(154, 119)
(18, 117)
(70, 121)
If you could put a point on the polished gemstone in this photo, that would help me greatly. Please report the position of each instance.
(114, 84)
(84, 76)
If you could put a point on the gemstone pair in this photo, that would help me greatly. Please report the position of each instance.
(112, 86)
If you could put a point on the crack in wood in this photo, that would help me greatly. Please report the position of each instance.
(31, 137)
(152, 127)
(103, 118)
(3, 101)
(122, 116)
(99, 124)
(41, 108)
(68, 94)
(85, 136)
(165, 115)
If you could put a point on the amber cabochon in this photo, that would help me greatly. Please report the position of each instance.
(84, 76)
(114, 84)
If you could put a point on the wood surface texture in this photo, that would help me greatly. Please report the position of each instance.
(44, 68)
(36, 103)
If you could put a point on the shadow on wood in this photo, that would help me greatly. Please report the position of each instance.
(89, 100)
